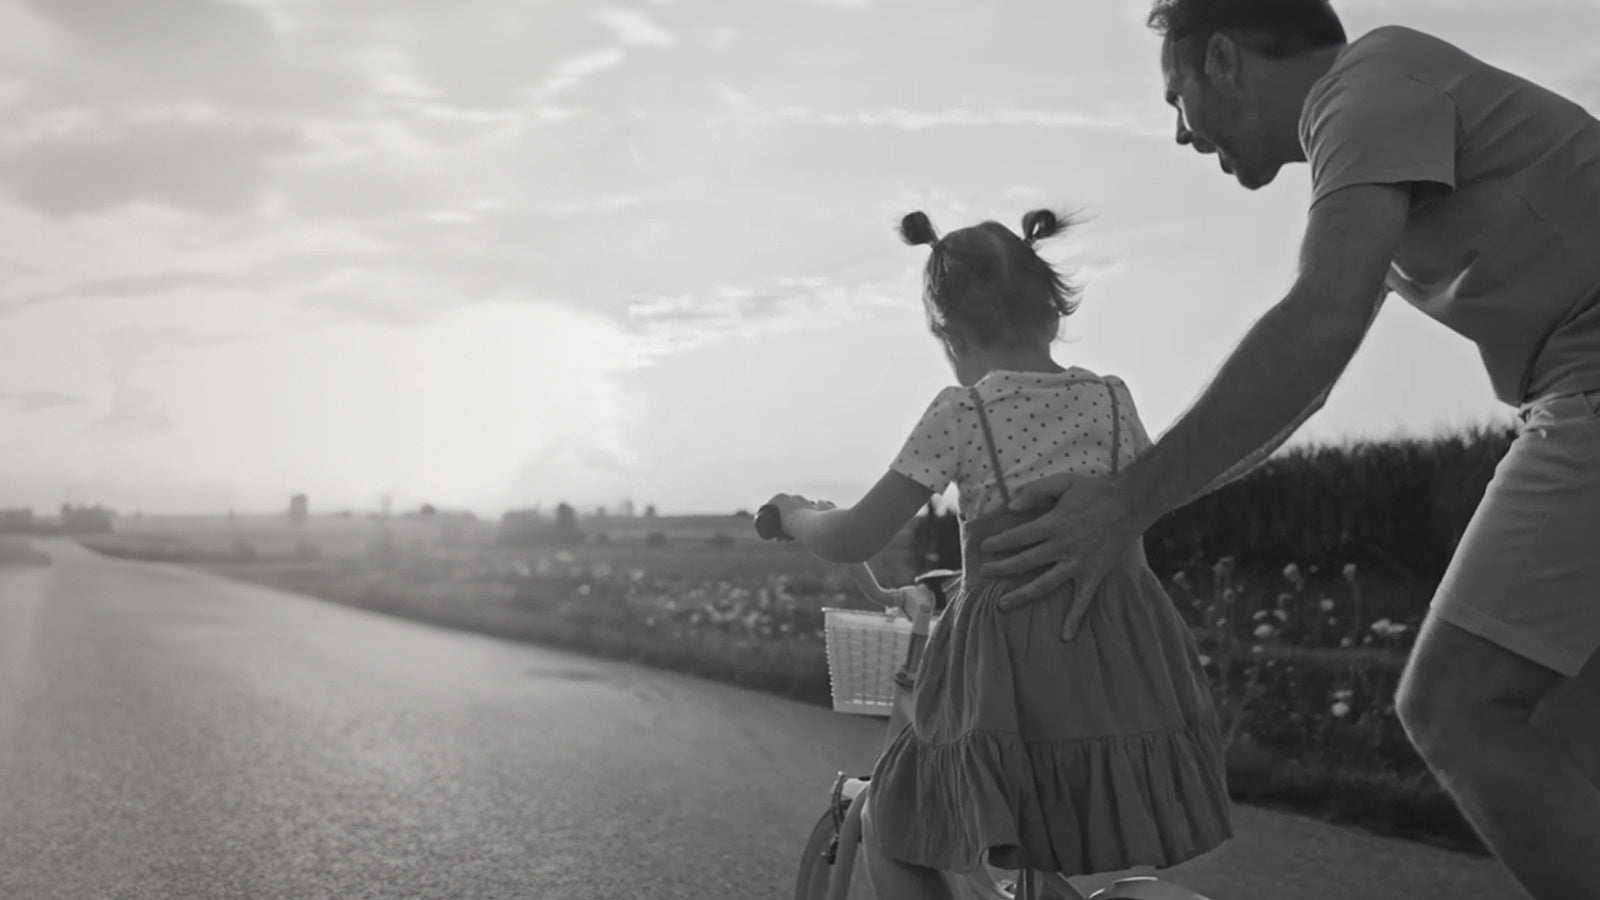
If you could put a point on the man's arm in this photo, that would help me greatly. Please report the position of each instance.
(1289, 358)
(1259, 455)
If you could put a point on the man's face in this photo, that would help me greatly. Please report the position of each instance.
(1214, 120)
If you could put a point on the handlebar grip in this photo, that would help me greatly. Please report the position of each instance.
(769, 525)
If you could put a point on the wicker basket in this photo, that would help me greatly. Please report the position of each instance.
(865, 649)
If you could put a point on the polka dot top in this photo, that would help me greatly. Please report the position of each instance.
(1044, 423)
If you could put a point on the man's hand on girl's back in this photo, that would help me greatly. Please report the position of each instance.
(1080, 539)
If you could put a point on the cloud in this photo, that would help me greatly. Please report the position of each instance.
(163, 49)
(636, 29)
(34, 401)
(130, 347)
(208, 169)
(570, 72)
(1143, 125)
(271, 272)
(734, 97)
(393, 294)
(790, 304)
(605, 204)
(134, 412)
(130, 286)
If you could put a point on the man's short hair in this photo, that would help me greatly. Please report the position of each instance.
(1270, 27)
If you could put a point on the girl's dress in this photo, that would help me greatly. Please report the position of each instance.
(1095, 755)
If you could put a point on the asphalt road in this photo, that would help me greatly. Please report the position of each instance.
(166, 734)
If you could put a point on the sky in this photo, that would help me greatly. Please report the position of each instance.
(494, 254)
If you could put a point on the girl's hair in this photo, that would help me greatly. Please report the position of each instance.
(988, 285)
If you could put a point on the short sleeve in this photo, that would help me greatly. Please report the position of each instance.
(1134, 439)
(931, 456)
(1378, 127)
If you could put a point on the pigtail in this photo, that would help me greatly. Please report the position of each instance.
(1042, 224)
(916, 229)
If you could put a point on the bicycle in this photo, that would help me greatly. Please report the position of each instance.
(828, 863)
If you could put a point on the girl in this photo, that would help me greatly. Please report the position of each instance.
(1099, 755)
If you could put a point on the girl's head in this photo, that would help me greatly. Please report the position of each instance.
(988, 294)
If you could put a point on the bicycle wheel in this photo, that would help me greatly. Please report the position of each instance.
(816, 872)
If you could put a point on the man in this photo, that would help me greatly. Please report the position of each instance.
(1475, 195)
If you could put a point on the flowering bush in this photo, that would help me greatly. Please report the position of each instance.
(748, 610)
(1279, 679)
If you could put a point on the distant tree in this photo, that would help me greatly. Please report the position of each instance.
(600, 513)
(427, 509)
(650, 511)
(519, 527)
(566, 530)
(743, 514)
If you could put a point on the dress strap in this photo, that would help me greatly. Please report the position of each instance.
(1116, 429)
(988, 438)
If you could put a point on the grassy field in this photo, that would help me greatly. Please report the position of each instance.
(1304, 676)
(704, 547)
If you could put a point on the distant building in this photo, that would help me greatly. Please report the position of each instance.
(17, 521)
(297, 508)
(85, 519)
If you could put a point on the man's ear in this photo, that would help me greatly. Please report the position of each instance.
(1222, 60)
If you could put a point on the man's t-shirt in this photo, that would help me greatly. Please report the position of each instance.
(1503, 241)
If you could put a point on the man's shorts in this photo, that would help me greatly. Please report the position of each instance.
(1526, 575)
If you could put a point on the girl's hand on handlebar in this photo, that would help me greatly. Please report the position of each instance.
(789, 504)
(786, 504)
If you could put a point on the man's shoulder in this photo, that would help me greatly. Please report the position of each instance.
(1390, 50)
(1373, 61)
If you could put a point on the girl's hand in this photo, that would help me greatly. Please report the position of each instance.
(786, 504)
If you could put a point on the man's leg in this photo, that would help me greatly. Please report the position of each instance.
(1570, 718)
(1467, 704)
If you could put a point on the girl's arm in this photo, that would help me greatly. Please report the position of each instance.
(858, 533)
